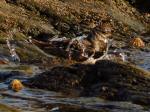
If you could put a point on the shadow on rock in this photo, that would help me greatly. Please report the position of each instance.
(10, 74)
(105, 79)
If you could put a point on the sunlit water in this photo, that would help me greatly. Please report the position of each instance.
(141, 59)
(35, 100)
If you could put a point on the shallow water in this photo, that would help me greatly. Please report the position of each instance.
(36, 100)
(141, 59)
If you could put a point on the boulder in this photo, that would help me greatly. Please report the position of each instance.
(105, 79)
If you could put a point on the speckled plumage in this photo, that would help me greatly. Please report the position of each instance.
(99, 36)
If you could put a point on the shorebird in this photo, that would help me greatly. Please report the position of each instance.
(97, 40)
(99, 36)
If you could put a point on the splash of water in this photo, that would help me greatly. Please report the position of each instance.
(12, 51)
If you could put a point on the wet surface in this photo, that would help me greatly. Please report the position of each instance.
(141, 59)
(28, 23)
(36, 100)
(33, 100)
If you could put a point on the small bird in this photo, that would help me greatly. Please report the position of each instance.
(96, 41)
(98, 37)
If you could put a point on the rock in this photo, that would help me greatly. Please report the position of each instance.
(64, 19)
(16, 85)
(9, 74)
(106, 79)
(3, 62)
(63, 27)
(137, 42)
(143, 6)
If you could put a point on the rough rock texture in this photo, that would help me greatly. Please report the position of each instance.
(42, 19)
(106, 79)
(141, 5)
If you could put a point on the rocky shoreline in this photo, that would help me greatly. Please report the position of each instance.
(29, 26)
(105, 79)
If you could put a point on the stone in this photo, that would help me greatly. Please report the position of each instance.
(137, 42)
(106, 79)
(16, 85)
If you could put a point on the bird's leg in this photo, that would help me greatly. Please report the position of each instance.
(90, 59)
(70, 43)
(83, 53)
(69, 55)
(82, 48)
(8, 43)
(68, 49)
(109, 43)
(92, 54)
(79, 40)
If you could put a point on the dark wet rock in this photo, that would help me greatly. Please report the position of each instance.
(63, 27)
(106, 79)
(44, 36)
(6, 75)
(141, 5)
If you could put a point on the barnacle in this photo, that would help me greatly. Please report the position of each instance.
(16, 85)
(137, 42)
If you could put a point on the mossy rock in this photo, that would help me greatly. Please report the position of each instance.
(106, 79)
